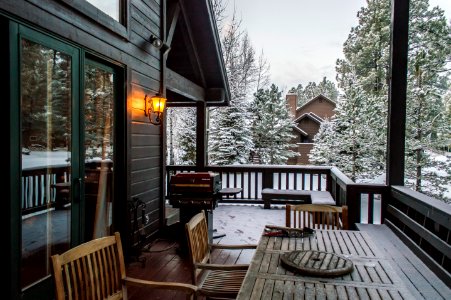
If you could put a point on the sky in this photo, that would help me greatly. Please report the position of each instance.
(301, 39)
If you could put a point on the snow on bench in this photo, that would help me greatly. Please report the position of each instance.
(298, 196)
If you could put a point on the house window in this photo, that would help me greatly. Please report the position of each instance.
(111, 14)
(110, 7)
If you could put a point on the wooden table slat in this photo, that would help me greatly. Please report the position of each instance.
(372, 277)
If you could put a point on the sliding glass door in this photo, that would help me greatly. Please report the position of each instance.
(67, 133)
(49, 141)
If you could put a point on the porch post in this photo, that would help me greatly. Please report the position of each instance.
(397, 93)
(201, 136)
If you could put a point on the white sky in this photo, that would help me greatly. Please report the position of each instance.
(302, 39)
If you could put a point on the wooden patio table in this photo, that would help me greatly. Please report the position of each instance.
(372, 277)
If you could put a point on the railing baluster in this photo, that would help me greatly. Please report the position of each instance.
(370, 208)
(311, 182)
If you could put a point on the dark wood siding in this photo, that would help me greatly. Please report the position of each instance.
(143, 63)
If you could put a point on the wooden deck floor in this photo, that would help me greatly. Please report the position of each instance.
(242, 224)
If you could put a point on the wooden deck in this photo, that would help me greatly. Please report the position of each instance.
(244, 224)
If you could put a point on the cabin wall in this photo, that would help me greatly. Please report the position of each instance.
(320, 107)
(130, 48)
(309, 126)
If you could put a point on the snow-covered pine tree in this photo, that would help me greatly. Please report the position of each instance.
(272, 129)
(46, 81)
(366, 60)
(325, 147)
(367, 52)
(351, 129)
(187, 136)
(429, 52)
(181, 135)
(229, 136)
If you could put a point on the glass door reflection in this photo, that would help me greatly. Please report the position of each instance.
(98, 142)
(46, 94)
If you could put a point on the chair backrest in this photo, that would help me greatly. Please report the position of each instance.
(317, 216)
(197, 240)
(93, 270)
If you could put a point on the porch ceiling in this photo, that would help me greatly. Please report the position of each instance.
(195, 67)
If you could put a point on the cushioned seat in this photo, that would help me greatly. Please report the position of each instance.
(296, 197)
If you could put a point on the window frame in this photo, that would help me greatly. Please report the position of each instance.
(120, 27)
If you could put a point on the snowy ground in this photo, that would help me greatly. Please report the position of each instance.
(45, 158)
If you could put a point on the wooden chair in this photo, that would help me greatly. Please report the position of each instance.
(317, 216)
(215, 281)
(96, 270)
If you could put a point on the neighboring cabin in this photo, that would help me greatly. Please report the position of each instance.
(307, 119)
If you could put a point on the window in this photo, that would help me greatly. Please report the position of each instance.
(111, 14)
(110, 7)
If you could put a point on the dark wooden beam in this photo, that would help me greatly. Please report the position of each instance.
(191, 47)
(180, 85)
(163, 149)
(397, 93)
(201, 136)
(215, 95)
(173, 17)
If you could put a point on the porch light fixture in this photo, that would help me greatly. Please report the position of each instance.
(159, 44)
(156, 42)
(154, 108)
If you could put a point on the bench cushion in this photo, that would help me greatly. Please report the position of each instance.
(268, 193)
(303, 196)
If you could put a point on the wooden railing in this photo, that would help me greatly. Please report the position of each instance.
(253, 178)
(38, 185)
(38, 192)
(424, 224)
(364, 200)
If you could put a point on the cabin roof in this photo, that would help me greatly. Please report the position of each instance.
(320, 96)
(302, 132)
(314, 117)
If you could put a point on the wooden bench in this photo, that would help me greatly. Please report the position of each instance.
(296, 197)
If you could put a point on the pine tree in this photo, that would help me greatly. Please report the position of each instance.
(187, 136)
(367, 59)
(429, 52)
(181, 135)
(272, 127)
(229, 136)
(325, 147)
(45, 97)
(351, 129)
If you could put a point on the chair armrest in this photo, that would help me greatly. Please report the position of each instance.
(233, 247)
(221, 266)
(185, 287)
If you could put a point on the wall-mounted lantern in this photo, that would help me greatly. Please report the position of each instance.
(154, 108)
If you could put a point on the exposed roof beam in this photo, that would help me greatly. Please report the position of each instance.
(189, 90)
(182, 86)
(191, 45)
(173, 17)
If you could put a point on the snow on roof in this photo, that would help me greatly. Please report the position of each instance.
(309, 115)
(300, 130)
(316, 116)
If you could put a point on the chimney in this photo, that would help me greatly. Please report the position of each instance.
(292, 101)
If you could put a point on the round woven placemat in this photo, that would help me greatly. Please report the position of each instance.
(317, 263)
